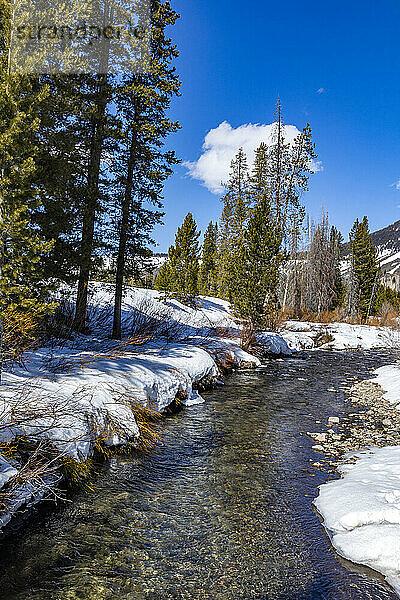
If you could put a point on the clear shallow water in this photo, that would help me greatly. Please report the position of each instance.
(221, 510)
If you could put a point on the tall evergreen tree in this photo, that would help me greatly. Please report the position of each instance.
(22, 281)
(233, 222)
(208, 276)
(257, 269)
(335, 251)
(281, 175)
(255, 293)
(98, 112)
(182, 267)
(61, 172)
(364, 277)
(290, 166)
(23, 285)
(91, 200)
(142, 165)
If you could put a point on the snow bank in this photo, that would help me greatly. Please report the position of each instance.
(97, 392)
(388, 378)
(273, 343)
(342, 336)
(74, 394)
(362, 511)
(346, 336)
(6, 471)
(209, 312)
(28, 494)
(299, 340)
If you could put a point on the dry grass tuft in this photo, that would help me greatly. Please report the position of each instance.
(22, 333)
(77, 473)
(148, 421)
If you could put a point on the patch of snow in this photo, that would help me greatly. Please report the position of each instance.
(97, 394)
(6, 471)
(299, 325)
(274, 344)
(362, 336)
(391, 258)
(299, 340)
(29, 494)
(301, 335)
(388, 377)
(362, 511)
(194, 399)
(240, 356)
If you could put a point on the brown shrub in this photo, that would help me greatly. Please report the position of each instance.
(22, 331)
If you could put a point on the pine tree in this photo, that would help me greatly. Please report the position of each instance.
(257, 276)
(60, 177)
(164, 280)
(335, 251)
(21, 278)
(142, 165)
(233, 222)
(352, 286)
(181, 270)
(98, 114)
(208, 276)
(283, 175)
(277, 167)
(364, 278)
(289, 167)
(23, 288)
(98, 123)
(255, 294)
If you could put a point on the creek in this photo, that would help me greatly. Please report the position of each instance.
(221, 509)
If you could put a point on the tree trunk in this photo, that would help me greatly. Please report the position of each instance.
(278, 166)
(123, 236)
(286, 290)
(91, 203)
(92, 195)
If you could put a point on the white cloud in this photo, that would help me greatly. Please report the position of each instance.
(396, 185)
(222, 144)
(320, 90)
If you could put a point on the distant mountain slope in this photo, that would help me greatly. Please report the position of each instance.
(387, 243)
(387, 240)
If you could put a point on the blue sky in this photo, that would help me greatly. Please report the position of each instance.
(236, 58)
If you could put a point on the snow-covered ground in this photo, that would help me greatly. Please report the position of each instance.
(302, 335)
(361, 511)
(71, 395)
(388, 378)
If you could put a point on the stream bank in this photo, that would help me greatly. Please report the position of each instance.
(375, 424)
(221, 510)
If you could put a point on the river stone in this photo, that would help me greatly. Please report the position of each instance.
(319, 437)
